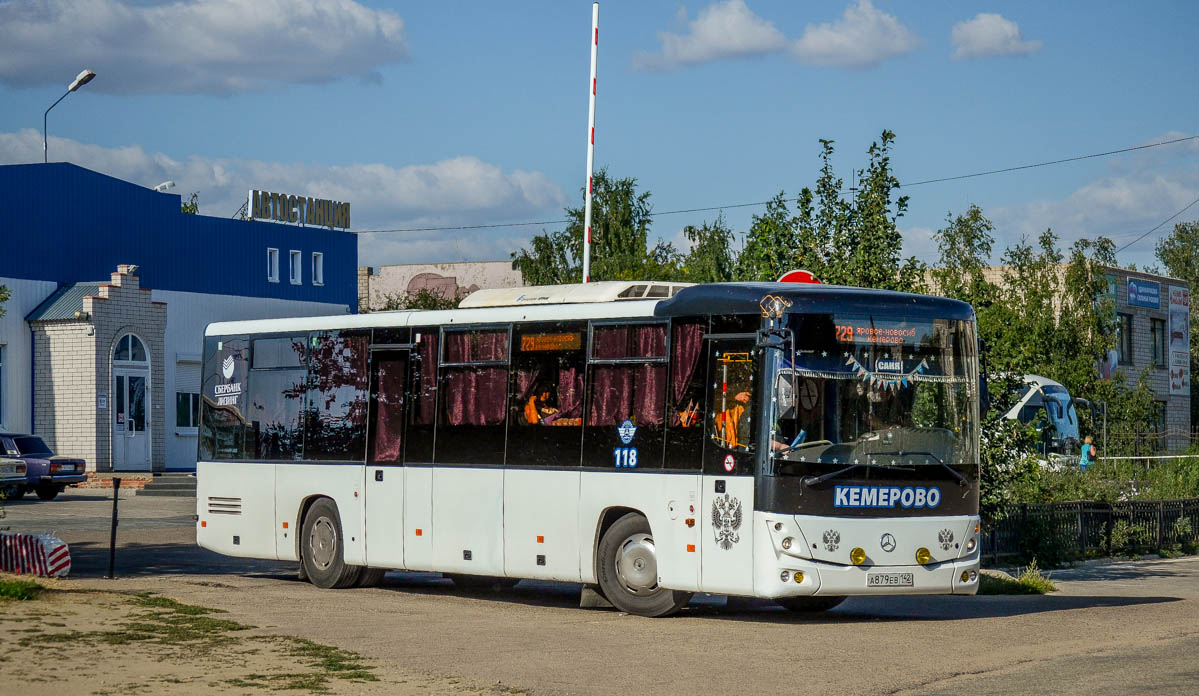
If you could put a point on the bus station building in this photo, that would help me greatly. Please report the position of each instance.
(111, 286)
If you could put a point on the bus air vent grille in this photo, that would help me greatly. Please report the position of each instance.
(224, 506)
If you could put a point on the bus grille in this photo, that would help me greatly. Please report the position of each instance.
(224, 506)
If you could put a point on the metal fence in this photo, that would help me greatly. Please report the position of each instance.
(1056, 532)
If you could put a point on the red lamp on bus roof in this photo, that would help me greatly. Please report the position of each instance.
(799, 276)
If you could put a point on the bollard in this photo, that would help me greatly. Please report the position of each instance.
(112, 538)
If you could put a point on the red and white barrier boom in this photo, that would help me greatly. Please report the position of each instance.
(44, 555)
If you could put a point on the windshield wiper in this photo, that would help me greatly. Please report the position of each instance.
(961, 479)
(817, 480)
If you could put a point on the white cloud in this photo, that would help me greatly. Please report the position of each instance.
(989, 35)
(458, 191)
(863, 37)
(722, 30)
(195, 46)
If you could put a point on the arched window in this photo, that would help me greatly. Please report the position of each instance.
(130, 349)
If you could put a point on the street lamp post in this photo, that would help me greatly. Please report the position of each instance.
(80, 80)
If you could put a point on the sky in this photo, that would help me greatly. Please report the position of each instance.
(468, 113)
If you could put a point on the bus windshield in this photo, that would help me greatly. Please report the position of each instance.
(876, 393)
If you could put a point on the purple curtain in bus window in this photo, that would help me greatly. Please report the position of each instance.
(688, 339)
(481, 346)
(476, 395)
(427, 412)
(389, 412)
(570, 392)
(526, 378)
(638, 341)
(649, 341)
(649, 403)
(611, 394)
(636, 392)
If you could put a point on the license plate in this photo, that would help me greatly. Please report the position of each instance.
(889, 579)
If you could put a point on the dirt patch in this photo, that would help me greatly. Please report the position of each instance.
(73, 640)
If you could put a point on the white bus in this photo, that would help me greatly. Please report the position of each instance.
(796, 442)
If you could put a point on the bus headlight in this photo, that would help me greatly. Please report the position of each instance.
(798, 576)
(785, 576)
(787, 543)
(970, 545)
(857, 556)
(923, 556)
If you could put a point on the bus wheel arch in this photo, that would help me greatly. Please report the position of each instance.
(321, 545)
(626, 568)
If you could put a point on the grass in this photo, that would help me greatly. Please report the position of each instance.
(20, 589)
(1029, 581)
(195, 632)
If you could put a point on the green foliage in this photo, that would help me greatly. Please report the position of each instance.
(711, 257)
(19, 589)
(425, 298)
(191, 206)
(4, 297)
(844, 242)
(1030, 580)
(620, 250)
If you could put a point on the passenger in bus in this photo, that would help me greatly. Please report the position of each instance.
(689, 416)
(540, 409)
(728, 421)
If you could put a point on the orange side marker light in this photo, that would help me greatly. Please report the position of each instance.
(203, 523)
(540, 539)
(285, 525)
(690, 548)
(418, 532)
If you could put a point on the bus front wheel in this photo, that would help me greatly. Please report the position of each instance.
(627, 570)
(809, 605)
(323, 547)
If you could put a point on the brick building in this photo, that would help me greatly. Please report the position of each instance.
(111, 287)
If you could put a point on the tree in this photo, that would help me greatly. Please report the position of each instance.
(424, 298)
(620, 248)
(1179, 253)
(842, 242)
(771, 246)
(4, 297)
(191, 206)
(711, 258)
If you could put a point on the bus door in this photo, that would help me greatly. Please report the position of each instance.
(727, 500)
(384, 486)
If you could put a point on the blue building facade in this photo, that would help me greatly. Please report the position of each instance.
(110, 288)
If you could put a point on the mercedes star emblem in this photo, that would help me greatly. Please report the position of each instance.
(887, 542)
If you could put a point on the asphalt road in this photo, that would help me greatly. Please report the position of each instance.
(1126, 626)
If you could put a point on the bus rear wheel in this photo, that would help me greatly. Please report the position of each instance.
(627, 570)
(322, 548)
(809, 605)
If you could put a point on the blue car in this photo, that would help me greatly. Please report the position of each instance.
(46, 474)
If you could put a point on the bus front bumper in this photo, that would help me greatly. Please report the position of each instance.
(829, 579)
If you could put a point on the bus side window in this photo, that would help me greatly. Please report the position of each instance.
(685, 394)
(546, 405)
(278, 379)
(626, 384)
(335, 418)
(224, 402)
(474, 404)
(422, 396)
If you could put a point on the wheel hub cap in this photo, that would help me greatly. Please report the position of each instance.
(322, 543)
(637, 565)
